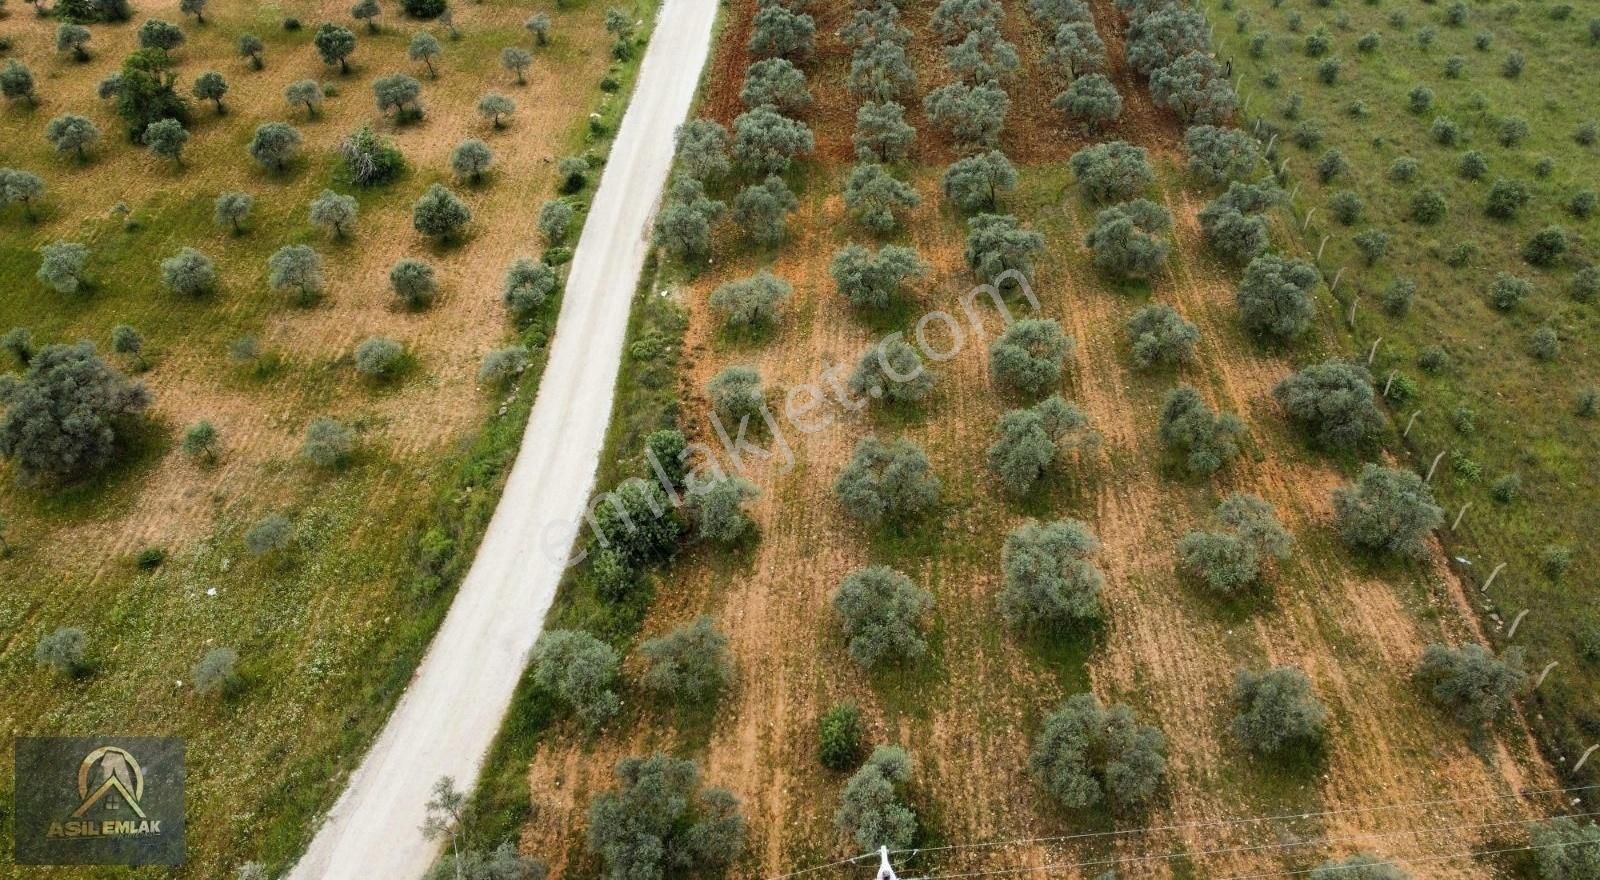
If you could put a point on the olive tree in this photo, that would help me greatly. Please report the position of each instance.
(1333, 403)
(251, 47)
(306, 92)
(1217, 154)
(876, 198)
(976, 182)
(379, 358)
(440, 214)
(274, 145)
(661, 818)
(996, 244)
(125, 339)
(528, 284)
(1077, 50)
(751, 303)
(779, 31)
(196, 8)
(400, 93)
(1092, 100)
(1207, 440)
(367, 11)
(1112, 172)
(1088, 754)
(271, 533)
(1159, 38)
(334, 212)
(425, 47)
(538, 24)
(64, 650)
(1274, 297)
(335, 43)
(71, 133)
(1029, 355)
(973, 115)
(212, 86)
(166, 138)
(766, 141)
(296, 269)
(887, 481)
(1031, 441)
(719, 507)
(882, 133)
(495, 107)
(1160, 337)
(702, 149)
(952, 18)
(736, 394)
(16, 83)
(516, 59)
(1195, 87)
(1047, 579)
(762, 209)
(1232, 557)
(775, 82)
(690, 663)
(201, 441)
(638, 523)
(891, 370)
(1128, 239)
(1236, 236)
(683, 226)
(189, 273)
(881, 610)
(63, 418)
(470, 160)
(413, 283)
(62, 265)
(1388, 511)
(328, 443)
(158, 34)
(982, 56)
(73, 38)
(555, 221)
(873, 280)
(1275, 709)
(882, 73)
(1470, 682)
(581, 671)
(20, 186)
(502, 365)
(873, 808)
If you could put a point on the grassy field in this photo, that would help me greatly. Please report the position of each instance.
(329, 629)
(968, 711)
(1495, 410)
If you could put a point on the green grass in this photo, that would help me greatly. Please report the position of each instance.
(1525, 419)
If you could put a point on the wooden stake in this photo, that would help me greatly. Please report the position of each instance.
(1431, 467)
(1512, 633)
(1335, 285)
(1322, 245)
(1409, 422)
(1373, 352)
(1460, 515)
(1390, 382)
(1586, 753)
(1351, 318)
(1492, 575)
(1545, 672)
(1307, 222)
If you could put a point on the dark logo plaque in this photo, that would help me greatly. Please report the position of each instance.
(109, 800)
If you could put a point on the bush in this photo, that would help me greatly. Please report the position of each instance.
(1088, 753)
(1127, 238)
(1029, 355)
(1112, 172)
(1276, 709)
(880, 610)
(1445, 131)
(1161, 337)
(64, 418)
(1471, 683)
(1274, 297)
(887, 481)
(1373, 245)
(719, 507)
(636, 521)
(839, 736)
(1357, 867)
(1427, 207)
(217, 673)
(689, 663)
(1331, 165)
(736, 394)
(1048, 581)
(1507, 291)
(1583, 204)
(1544, 343)
(581, 671)
(661, 817)
(1207, 440)
(271, 533)
(503, 365)
(1564, 848)
(1346, 207)
(370, 160)
(872, 808)
(1387, 511)
(328, 443)
(1585, 286)
(64, 651)
(1546, 247)
(1404, 169)
(1333, 402)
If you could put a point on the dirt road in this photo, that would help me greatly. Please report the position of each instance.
(453, 707)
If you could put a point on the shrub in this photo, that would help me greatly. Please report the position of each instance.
(1373, 245)
(1333, 402)
(1506, 199)
(880, 610)
(379, 358)
(1161, 337)
(1564, 848)
(1445, 131)
(839, 736)
(872, 808)
(996, 245)
(1346, 207)
(1357, 867)
(370, 160)
(1274, 297)
(1088, 753)
(1387, 511)
(1544, 343)
(1471, 683)
(1585, 285)
(875, 198)
(217, 673)
(555, 221)
(761, 210)
(892, 371)
(1546, 247)
(527, 285)
(1048, 581)
(328, 443)
(690, 663)
(887, 481)
(736, 394)
(871, 280)
(1112, 172)
(1507, 291)
(65, 650)
(1029, 355)
(503, 365)
(64, 417)
(752, 302)
(1207, 440)
(271, 533)
(1583, 204)
(581, 671)
(1404, 169)
(1331, 165)
(722, 518)
(660, 817)
(1127, 238)
(638, 524)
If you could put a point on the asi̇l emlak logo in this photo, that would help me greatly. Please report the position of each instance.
(107, 801)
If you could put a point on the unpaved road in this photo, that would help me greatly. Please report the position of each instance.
(453, 707)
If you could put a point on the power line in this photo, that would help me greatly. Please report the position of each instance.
(1397, 862)
(1265, 847)
(1238, 821)
(814, 869)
